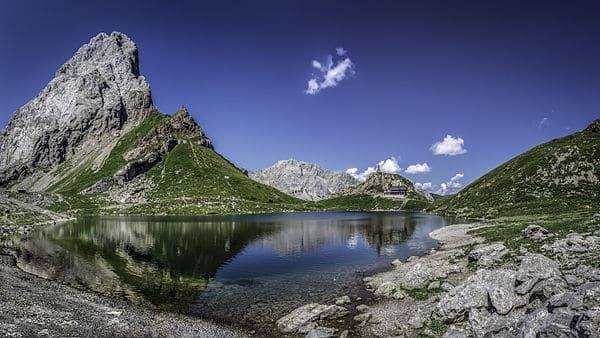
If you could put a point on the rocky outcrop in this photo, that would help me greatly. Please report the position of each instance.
(379, 182)
(304, 180)
(534, 301)
(532, 296)
(93, 97)
(181, 126)
(535, 232)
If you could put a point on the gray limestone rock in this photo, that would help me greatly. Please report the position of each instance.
(535, 232)
(304, 180)
(485, 289)
(321, 332)
(95, 95)
(533, 268)
(303, 319)
(488, 255)
(343, 300)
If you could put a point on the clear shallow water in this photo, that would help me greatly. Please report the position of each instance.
(244, 269)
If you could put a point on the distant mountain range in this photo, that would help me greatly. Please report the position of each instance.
(304, 180)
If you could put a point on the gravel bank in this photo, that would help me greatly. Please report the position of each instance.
(33, 306)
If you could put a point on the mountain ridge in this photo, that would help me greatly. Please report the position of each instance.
(114, 152)
(556, 176)
(304, 180)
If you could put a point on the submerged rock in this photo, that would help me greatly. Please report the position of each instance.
(321, 332)
(303, 319)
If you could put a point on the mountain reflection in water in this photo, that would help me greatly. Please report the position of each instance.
(170, 261)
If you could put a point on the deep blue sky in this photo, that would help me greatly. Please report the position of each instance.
(487, 72)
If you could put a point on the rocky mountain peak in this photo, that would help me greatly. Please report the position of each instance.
(303, 179)
(116, 55)
(379, 182)
(180, 125)
(95, 95)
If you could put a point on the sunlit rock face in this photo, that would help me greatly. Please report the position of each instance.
(304, 180)
(93, 97)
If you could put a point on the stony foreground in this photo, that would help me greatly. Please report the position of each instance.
(468, 288)
(31, 306)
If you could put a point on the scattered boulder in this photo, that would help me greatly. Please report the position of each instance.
(363, 317)
(483, 323)
(535, 232)
(303, 319)
(533, 268)
(436, 284)
(485, 289)
(362, 308)
(446, 286)
(488, 255)
(343, 300)
(417, 276)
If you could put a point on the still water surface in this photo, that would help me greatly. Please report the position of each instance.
(250, 269)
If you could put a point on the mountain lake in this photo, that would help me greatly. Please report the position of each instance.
(242, 270)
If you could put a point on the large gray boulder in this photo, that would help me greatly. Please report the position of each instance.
(533, 268)
(94, 96)
(485, 289)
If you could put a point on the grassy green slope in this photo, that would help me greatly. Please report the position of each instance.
(72, 185)
(193, 179)
(555, 177)
(364, 202)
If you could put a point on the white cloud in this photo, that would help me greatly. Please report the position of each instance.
(313, 87)
(544, 122)
(425, 186)
(449, 146)
(418, 169)
(451, 186)
(330, 75)
(387, 166)
(390, 166)
(361, 176)
(317, 64)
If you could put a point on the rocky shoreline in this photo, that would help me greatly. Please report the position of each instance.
(32, 306)
(469, 288)
(464, 288)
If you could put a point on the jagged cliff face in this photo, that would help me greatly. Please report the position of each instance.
(304, 180)
(96, 95)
